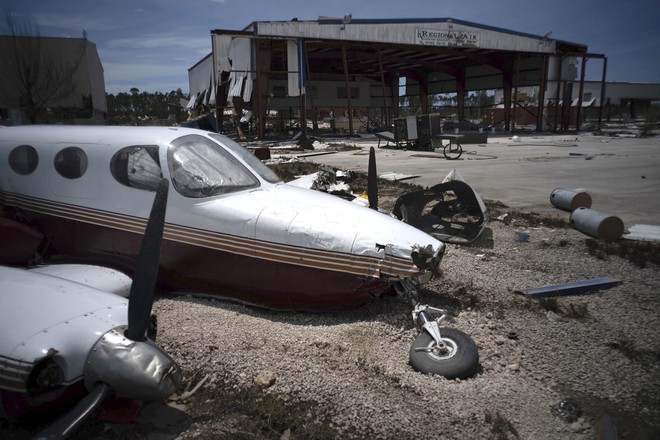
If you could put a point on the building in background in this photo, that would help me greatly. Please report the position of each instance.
(356, 74)
(51, 80)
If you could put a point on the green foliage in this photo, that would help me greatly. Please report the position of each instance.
(129, 107)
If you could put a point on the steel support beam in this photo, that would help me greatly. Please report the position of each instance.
(348, 89)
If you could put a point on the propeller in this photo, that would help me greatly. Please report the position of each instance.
(372, 180)
(139, 311)
(146, 268)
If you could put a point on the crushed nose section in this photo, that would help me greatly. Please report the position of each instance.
(426, 258)
(450, 211)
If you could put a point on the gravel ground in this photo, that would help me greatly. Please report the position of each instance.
(578, 362)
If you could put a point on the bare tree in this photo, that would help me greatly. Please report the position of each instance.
(34, 77)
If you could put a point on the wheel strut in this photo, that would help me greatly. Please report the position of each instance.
(431, 326)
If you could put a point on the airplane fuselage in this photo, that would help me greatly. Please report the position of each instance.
(233, 229)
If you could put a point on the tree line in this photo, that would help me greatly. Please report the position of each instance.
(134, 105)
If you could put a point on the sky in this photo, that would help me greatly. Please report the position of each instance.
(151, 44)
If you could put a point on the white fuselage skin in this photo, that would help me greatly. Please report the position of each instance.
(269, 221)
(61, 338)
(43, 315)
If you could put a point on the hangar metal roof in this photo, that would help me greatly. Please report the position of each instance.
(402, 45)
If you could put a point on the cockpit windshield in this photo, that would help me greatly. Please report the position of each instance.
(253, 161)
(202, 168)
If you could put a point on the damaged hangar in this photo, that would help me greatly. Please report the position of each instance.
(357, 74)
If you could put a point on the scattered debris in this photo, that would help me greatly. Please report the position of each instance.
(572, 287)
(522, 237)
(568, 410)
(315, 153)
(605, 428)
(597, 224)
(450, 211)
(643, 233)
(265, 379)
(396, 176)
(387, 136)
(186, 394)
(518, 141)
(570, 200)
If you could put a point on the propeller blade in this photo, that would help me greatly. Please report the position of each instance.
(66, 424)
(372, 180)
(146, 268)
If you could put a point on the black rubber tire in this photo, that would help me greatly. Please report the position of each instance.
(452, 151)
(462, 361)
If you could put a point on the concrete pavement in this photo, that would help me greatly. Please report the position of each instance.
(622, 175)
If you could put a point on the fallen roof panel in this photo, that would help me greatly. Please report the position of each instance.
(572, 288)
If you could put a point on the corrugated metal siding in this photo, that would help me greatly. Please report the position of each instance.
(199, 76)
(402, 33)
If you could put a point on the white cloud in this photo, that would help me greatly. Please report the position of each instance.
(163, 77)
(161, 41)
(76, 22)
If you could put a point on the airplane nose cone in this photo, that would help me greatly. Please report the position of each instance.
(134, 369)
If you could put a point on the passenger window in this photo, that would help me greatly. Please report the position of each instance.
(137, 167)
(71, 162)
(23, 160)
(202, 168)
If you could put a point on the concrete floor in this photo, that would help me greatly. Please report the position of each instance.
(622, 175)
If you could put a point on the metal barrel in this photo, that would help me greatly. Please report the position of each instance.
(597, 224)
(570, 200)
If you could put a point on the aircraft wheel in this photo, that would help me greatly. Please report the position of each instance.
(452, 151)
(458, 359)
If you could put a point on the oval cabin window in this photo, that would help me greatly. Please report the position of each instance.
(23, 160)
(137, 167)
(71, 162)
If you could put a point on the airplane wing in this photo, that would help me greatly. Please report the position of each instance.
(98, 277)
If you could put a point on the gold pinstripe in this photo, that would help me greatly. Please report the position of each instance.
(14, 374)
(276, 252)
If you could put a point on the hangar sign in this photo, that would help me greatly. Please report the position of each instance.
(448, 37)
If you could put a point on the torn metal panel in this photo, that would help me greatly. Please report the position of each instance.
(397, 177)
(450, 211)
(643, 233)
(572, 288)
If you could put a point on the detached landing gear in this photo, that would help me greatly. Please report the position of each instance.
(441, 350)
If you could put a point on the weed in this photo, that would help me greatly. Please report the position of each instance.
(501, 427)
(576, 311)
(564, 307)
(549, 304)
(251, 413)
(639, 253)
(628, 349)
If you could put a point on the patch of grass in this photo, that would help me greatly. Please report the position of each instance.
(524, 218)
(549, 304)
(576, 311)
(640, 253)
(564, 307)
(628, 349)
(251, 413)
(466, 297)
(501, 427)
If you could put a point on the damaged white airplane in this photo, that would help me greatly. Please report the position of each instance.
(233, 229)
